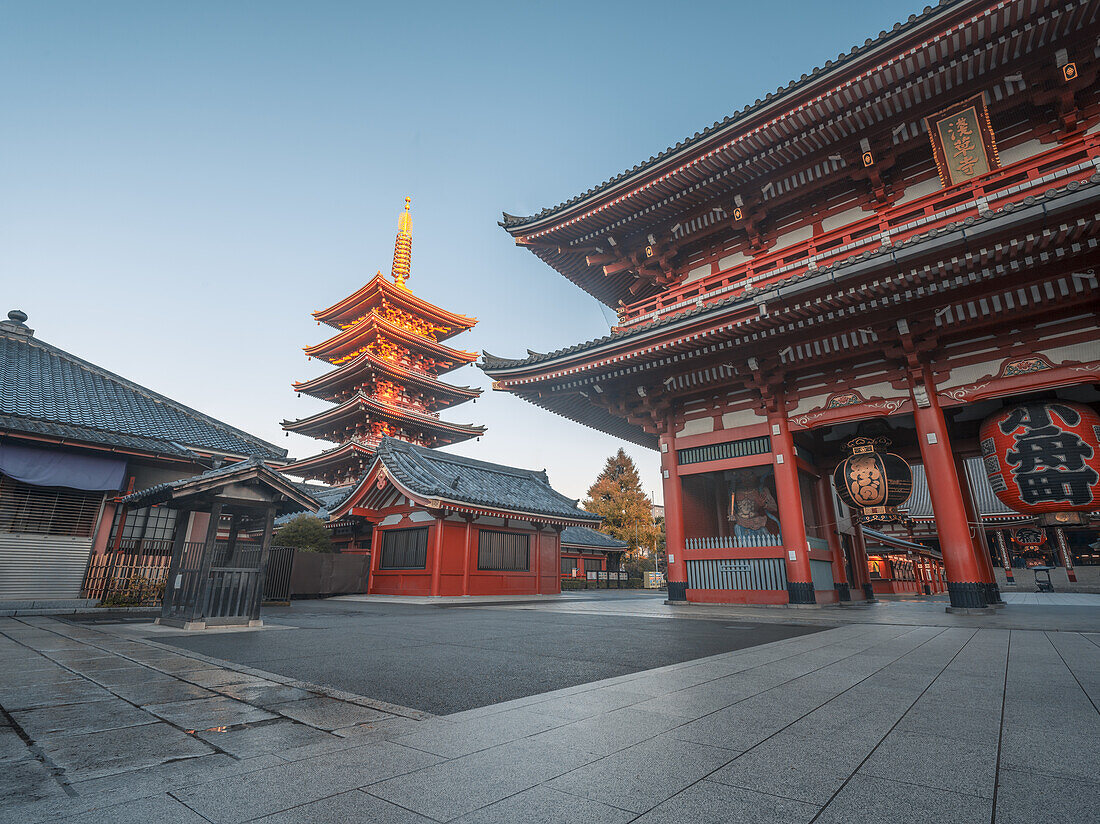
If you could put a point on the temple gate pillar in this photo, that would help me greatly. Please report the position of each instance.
(824, 494)
(860, 564)
(792, 522)
(965, 576)
(674, 517)
(981, 545)
(1006, 562)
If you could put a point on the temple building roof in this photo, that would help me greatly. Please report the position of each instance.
(586, 538)
(47, 391)
(343, 459)
(443, 478)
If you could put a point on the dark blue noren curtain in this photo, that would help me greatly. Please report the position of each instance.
(56, 467)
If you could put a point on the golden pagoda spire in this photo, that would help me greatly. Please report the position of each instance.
(402, 249)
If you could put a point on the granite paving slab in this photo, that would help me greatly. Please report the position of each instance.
(161, 692)
(278, 736)
(351, 806)
(462, 785)
(542, 805)
(93, 755)
(160, 809)
(641, 776)
(870, 799)
(74, 719)
(708, 802)
(327, 713)
(271, 790)
(204, 713)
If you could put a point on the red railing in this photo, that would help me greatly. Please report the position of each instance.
(1074, 160)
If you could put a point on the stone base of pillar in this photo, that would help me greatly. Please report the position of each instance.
(677, 590)
(801, 593)
(843, 593)
(869, 592)
(993, 595)
(967, 596)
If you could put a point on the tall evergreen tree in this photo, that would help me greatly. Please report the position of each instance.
(618, 498)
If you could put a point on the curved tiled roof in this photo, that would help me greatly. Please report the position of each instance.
(43, 383)
(583, 536)
(490, 362)
(430, 474)
(776, 97)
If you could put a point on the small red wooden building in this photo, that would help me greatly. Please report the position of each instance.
(449, 525)
(585, 550)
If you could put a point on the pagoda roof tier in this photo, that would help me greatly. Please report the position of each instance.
(357, 305)
(349, 460)
(362, 407)
(347, 344)
(329, 386)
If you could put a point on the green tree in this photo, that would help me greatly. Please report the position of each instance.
(305, 532)
(627, 511)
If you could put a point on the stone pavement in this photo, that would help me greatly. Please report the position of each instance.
(872, 722)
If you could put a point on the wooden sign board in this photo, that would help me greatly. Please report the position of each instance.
(962, 141)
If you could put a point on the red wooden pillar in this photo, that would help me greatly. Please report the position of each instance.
(860, 564)
(824, 494)
(965, 582)
(466, 555)
(977, 534)
(792, 522)
(674, 518)
(538, 558)
(375, 556)
(437, 556)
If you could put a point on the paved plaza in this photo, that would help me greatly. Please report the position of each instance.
(875, 717)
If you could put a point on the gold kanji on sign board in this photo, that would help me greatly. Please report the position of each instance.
(962, 141)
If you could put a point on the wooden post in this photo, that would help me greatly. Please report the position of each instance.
(179, 548)
(202, 583)
(261, 577)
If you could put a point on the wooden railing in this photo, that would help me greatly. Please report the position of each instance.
(1074, 160)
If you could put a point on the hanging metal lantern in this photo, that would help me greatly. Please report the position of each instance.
(1029, 536)
(872, 481)
(1043, 459)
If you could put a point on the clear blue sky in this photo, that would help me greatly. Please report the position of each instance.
(182, 183)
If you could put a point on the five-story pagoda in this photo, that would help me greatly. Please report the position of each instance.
(389, 353)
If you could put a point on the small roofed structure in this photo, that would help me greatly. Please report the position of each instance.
(585, 550)
(445, 524)
(900, 567)
(213, 581)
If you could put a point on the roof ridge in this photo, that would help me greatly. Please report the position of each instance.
(448, 457)
(746, 111)
(148, 393)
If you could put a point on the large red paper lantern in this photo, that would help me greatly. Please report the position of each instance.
(1043, 459)
(872, 481)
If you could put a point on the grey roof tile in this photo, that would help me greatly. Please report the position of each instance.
(40, 382)
(429, 473)
(583, 536)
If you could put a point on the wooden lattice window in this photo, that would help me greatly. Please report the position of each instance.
(404, 548)
(503, 551)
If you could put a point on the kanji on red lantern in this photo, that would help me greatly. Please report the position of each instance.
(1044, 457)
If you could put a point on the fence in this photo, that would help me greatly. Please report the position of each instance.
(133, 574)
(733, 542)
